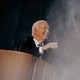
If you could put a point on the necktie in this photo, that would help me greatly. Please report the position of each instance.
(40, 45)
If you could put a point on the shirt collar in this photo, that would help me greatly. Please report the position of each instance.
(36, 42)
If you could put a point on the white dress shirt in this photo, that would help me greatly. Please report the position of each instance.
(37, 43)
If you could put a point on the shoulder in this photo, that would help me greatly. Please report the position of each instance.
(28, 40)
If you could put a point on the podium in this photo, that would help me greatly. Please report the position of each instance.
(16, 65)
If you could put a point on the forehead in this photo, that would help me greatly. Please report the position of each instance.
(42, 25)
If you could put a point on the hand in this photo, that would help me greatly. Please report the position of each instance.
(52, 45)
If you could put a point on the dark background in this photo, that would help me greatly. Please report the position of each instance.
(16, 19)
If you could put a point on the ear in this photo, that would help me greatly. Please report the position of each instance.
(35, 29)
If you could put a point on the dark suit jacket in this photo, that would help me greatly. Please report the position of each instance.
(29, 46)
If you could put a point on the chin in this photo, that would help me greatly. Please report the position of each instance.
(45, 38)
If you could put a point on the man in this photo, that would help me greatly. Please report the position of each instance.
(35, 44)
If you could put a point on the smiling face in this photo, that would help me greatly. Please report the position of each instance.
(41, 31)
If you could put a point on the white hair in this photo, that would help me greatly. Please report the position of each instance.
(35, 25)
